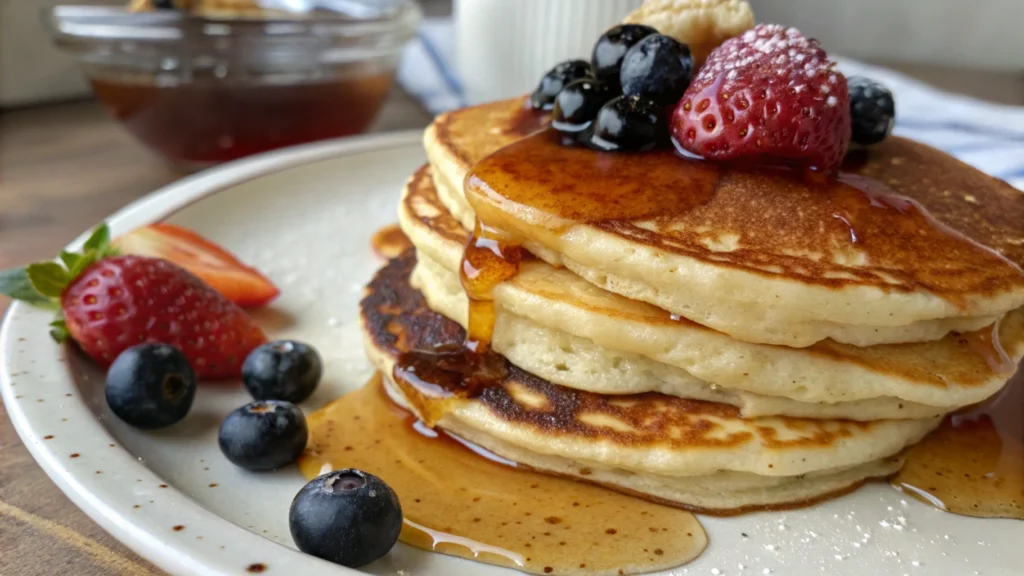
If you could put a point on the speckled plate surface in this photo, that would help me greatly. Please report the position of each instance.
(304, 216)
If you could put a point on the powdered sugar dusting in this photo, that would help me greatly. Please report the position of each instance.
(774, 79)
(766, 39)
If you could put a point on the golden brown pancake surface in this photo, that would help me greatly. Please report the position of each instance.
(396, 320)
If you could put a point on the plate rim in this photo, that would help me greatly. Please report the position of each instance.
(154, 207)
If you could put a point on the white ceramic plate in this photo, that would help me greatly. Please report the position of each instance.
(305, 216)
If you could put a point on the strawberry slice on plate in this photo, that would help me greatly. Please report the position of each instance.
(108, 302)
(240, 283)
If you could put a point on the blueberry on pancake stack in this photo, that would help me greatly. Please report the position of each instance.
(699, 293)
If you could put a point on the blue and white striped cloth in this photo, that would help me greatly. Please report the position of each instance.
(987, 136)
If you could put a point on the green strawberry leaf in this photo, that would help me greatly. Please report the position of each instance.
(99, 241)
(16, 284)
(59, 330)
(70, 259)
(42, 284)
(48, 278)
(83, 262)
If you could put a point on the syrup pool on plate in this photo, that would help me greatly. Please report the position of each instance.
(488, 509)
(973, 464)
(389, 242)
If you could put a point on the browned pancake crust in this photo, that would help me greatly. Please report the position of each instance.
(936, 363)
(777, 218)
(397, 319)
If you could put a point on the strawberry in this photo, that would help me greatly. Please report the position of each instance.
(219, 268)
(769, 93)
(109, 302)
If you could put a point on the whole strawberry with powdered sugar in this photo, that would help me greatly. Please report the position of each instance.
(768, 93)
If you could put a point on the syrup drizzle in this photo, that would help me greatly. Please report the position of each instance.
(538, 187)
(987, 344)
(389, 241)
(450, 371)
(488, 260)
(414, 533)
(528, 120)
(880, 195)
(457, 503)
(973, 464)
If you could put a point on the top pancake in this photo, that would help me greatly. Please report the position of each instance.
(544, 310)
(761, 255)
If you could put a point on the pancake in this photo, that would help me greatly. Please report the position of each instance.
(688, 453)
(555, 325)
(925, 247)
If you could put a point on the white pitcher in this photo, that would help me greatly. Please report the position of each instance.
(505, 46)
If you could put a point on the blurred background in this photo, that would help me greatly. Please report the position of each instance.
(99, 107)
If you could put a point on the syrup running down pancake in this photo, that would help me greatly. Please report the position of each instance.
(908, 246)
(687, 453)
(555, 325)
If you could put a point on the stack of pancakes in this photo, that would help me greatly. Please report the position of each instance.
(759, 350)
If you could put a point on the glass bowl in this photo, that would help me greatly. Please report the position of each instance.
(200, 90)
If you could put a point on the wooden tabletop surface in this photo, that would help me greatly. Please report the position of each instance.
(64, 168)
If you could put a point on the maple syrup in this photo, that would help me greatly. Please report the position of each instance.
(973, 464)
(466, 370)
(206, 122)
(487, 509)
(986, 343)
(488, 259)
(537, 188)
(389, 242)
(528, 120)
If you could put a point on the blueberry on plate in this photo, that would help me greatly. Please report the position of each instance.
(150, 386)
(658, 67)
(282, 370)
(557, 78)
(164, 5)
(872, 110)
(347, 517)
(577, 104)
(630, 123)
(612, 46)
(264, 435)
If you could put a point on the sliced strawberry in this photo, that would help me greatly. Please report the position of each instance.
(126, 300)
(242, 284)
(769, 93)
(111, 302)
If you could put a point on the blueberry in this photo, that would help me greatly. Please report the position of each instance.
(264, 435)
(164, 5)
(606, 59)
(577, 104)
(872, 110)
(282, 370)
(347, 517)
(658, 67)
(630, 123)
(150, 386)
(557, 78)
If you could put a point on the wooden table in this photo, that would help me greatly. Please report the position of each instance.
(64, 168)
